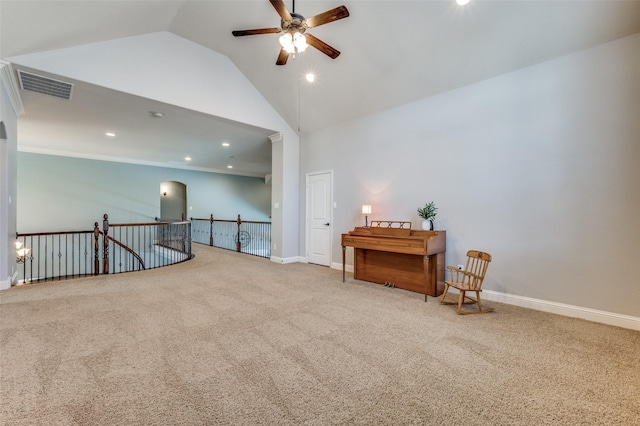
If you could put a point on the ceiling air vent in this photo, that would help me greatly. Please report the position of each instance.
(45, 85)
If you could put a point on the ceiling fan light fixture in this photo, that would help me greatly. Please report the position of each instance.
(286, 41)
(300, 42)
(293, 41)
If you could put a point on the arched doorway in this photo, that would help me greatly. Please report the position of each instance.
(173, 200)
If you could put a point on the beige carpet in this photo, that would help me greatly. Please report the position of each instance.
(233, 339)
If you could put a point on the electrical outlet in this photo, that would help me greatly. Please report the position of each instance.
(275, 246)
(460, 266)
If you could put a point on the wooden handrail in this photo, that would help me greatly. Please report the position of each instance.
(141, 224)
(35, 234)
(126, 248)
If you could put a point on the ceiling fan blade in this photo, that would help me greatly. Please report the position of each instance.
(239, 33)
(282, 57)
(282, 10)
(339, 12)
(322, 46)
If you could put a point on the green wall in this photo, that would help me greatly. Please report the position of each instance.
(61, 193)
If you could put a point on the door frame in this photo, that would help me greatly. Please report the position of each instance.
(307, 226)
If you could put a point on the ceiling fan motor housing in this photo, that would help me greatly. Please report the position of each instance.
(297, 24)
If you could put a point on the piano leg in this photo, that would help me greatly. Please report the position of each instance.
(344, 251)
(426, 276)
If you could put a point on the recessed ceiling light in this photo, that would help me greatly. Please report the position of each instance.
(462, 2)
(187, 158)
(310, 77)
(111, 135)
(229, 166)
(225, 143)
(156, 114)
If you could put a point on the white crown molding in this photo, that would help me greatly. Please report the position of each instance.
(276, 137)
(98, 157)
(8, 78)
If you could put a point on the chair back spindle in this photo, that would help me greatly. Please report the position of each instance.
(477, 263)
(468, 280)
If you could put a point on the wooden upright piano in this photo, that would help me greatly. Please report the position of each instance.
(403, 258)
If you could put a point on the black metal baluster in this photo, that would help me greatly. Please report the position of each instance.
(59, 258)
(38, 261)
(140, 229)
(153, 245)
(126, 237)
(163, 257)
(24, 264)
(73, 256)
(164, 244)
(96, 250)
(45, 257)
(66, 256)
(86, 262)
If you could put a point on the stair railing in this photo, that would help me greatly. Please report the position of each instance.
(242, 236)
(123, 248)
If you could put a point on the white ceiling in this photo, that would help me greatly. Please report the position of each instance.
(393, 52)
(78, 127)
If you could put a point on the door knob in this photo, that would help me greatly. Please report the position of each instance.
(326, 224)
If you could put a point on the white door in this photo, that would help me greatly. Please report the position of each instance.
(319, 218)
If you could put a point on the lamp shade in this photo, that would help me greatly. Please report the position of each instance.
(366, 209)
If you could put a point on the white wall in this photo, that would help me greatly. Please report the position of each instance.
(538, 167)
(10, 108)
(165, 67)
(7, 146)
(62, 193)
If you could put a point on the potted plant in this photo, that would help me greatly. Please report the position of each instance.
(428, 213)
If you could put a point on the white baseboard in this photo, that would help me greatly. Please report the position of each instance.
(338, 266)
(6, 284)
(604, 317)
(283, 260)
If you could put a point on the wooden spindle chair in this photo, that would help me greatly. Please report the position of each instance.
(468, 279)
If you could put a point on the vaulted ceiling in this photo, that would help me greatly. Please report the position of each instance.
(392, 53)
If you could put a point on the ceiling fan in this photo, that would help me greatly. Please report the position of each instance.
(294, 26)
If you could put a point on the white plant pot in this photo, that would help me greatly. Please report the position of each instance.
(427, 225)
